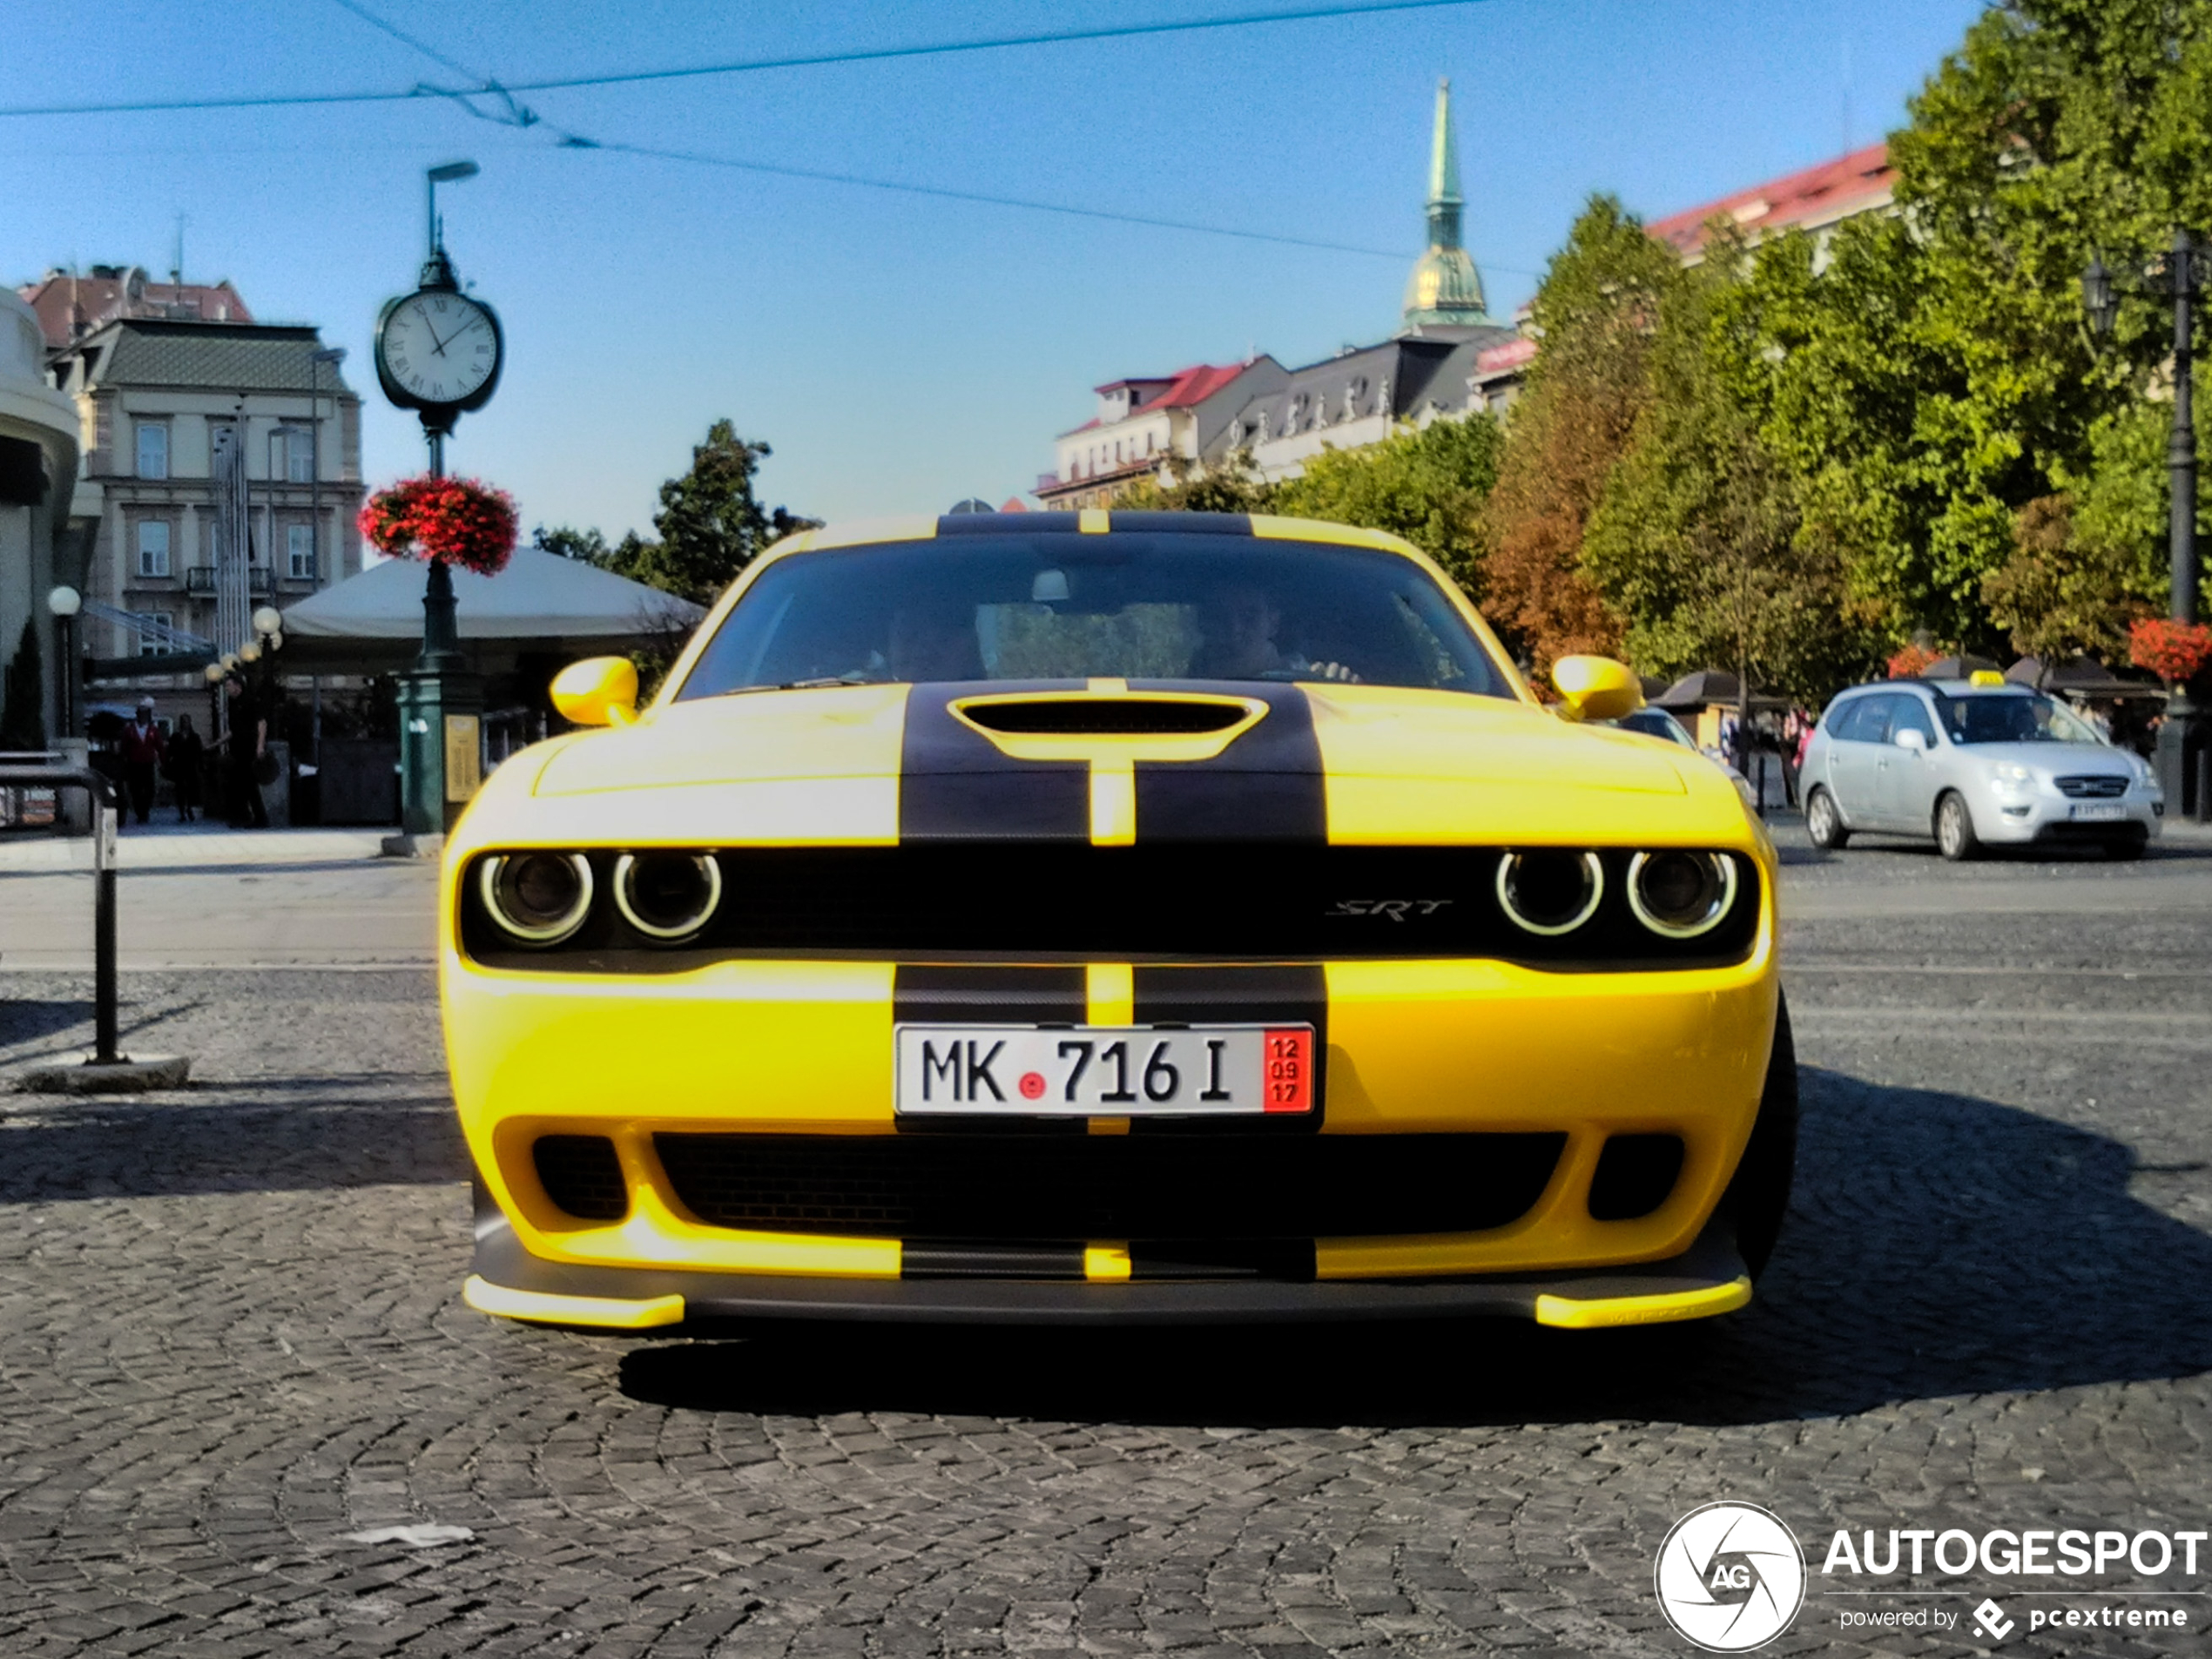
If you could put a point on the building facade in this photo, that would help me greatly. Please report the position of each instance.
(1814, 200)
(1448, 360)
(156, 399)
(38, 458)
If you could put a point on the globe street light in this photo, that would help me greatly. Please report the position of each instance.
(64, 602)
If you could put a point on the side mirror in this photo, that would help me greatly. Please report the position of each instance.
(1914, 739)
(1597, 688)
(599, 690)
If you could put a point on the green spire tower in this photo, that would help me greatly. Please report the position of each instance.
(1445, 287)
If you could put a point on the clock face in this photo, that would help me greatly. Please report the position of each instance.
(438, 348)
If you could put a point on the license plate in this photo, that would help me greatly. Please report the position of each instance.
(1104, 1070)
(2099, 812)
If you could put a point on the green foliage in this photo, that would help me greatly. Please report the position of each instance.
(1597, 312)
(1230, 487)
(23, 724)
(588, 546)
(1427, 484)
(710, 524)
(2062, 594)
(1697, 538)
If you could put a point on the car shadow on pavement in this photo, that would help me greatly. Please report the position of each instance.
(1938, 1245)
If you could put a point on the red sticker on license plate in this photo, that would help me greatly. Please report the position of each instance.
(1289, 1060)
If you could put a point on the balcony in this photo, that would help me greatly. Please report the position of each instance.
(200, 578)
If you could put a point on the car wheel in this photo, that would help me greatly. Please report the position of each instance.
(1758, 1193)
(1954, 828)
(1823, 824)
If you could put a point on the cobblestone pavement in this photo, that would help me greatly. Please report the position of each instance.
(230, 1341)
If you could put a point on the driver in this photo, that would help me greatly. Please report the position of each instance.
(932, 643)
(1238, 624)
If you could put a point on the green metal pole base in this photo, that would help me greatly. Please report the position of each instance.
(437, 706)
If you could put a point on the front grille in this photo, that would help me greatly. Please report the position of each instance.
(582, 1176)
(1037, 900)
(2094, 786)
(1183, 1186)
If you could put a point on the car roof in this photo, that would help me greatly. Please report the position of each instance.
(1941, 688)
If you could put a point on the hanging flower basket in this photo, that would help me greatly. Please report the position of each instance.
(457, 520)
(2173, 650)
(1911, 662)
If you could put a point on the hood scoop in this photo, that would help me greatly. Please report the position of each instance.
(1109, 726)
(1118, 717)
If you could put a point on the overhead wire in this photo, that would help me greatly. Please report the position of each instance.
(485, 86)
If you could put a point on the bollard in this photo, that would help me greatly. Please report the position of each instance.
(107, 1070)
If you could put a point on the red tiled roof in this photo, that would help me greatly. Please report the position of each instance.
(1834, 190)
(59, 299)
(1495, 360)
(1185, 386)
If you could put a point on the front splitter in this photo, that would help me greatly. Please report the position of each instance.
(1708, 1278)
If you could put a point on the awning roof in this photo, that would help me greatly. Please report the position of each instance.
(539, 596)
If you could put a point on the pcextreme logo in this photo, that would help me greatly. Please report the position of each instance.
(1730, 1577)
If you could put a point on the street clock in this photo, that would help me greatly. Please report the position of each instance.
(438, 351)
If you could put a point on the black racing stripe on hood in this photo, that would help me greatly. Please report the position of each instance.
(1228, 994)
(988, 994)
(1268, 786)
(954, 785)
(1064, 523)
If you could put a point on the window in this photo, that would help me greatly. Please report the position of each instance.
(291, 455)
(153, 547)
(153, 448)
(152, 644)
(300, 552)
(1911, 714)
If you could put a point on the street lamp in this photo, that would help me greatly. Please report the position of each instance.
(64, 602)
(2179, 276)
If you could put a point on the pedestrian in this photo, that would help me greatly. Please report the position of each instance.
(248, 742)
(1793, 745)
(141, 745)
(187, 758)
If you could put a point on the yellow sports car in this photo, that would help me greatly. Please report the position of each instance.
(1138, 916)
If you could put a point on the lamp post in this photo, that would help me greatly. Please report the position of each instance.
(2178, 277)
(64, 602)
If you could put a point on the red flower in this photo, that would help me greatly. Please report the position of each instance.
(2173, 650)
(455, 519)
(1911, 663)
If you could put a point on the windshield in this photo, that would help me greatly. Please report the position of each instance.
(1656, 723)
(1059, 606)
(2035, 718)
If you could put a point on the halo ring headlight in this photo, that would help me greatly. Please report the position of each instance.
(668, 897)
(1682, 894)
(537, 898)
(1561, 911)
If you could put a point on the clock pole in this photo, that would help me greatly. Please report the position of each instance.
(441, 698)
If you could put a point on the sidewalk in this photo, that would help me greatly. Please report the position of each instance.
(172, 846)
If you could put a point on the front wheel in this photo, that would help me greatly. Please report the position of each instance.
(1758, 1193)
(1954, 828)
(1823, 823)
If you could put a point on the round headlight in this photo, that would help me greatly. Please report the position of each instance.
(1550, 892)
(539, 898)
(1681, 895)
(667, 895)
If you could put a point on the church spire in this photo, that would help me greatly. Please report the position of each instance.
(1444, 289)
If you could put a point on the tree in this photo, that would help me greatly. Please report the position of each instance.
(710, 524)
(1428, 484)
(2063, 594)
(587, 546)
(1698, 540)
(1228, 486)
(22, 697)
(1596, 313)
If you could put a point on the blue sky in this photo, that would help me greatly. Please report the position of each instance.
(898, 351)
